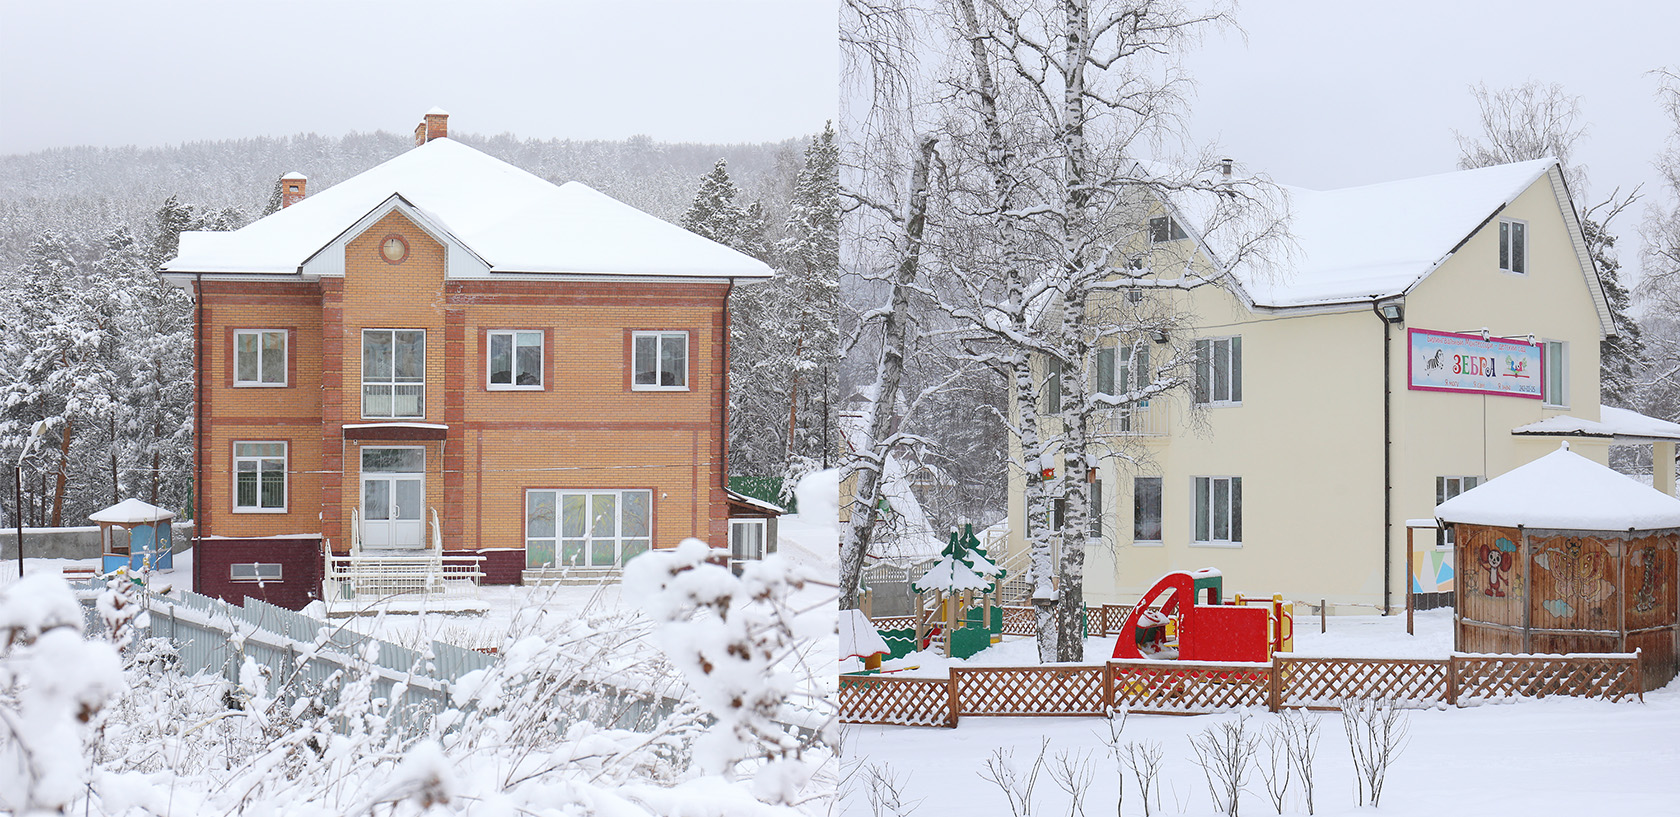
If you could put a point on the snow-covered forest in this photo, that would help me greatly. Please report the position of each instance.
(98, 350)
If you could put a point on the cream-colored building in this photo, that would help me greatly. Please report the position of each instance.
(1326, 412)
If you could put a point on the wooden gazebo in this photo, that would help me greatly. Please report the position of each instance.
(1564, 555)
(135, 533)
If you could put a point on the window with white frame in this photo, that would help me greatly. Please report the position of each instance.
(1513, 246)
(1218, 511)
(1146, 510)
(1219, 370)
(746, 542)
(1555, 387)
(1096, 527)
(255, 572)
(393, 373)
(659, 360)
(259, 477)
(1165, 228)
(514, 359)
(259, 357)
(1446, 488)
(586, 528)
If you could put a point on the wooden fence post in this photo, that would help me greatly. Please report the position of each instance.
(1274, 700)
(1452, 680)
(951, 693)
(1108, 689)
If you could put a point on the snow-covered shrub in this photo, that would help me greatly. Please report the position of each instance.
(727, 635)
(53, 686)
(1376, 730)
(1224, 751)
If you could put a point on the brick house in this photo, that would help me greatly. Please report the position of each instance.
(447, 350)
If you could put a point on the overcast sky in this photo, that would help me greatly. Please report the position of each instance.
(1329, 93)
(118, 72)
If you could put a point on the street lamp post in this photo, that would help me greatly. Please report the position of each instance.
(34, 435)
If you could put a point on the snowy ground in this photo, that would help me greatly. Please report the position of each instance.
(170, 745)
(1557, 756)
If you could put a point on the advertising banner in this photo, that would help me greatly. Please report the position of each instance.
(1445, 361)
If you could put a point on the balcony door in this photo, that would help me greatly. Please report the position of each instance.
(393, 497)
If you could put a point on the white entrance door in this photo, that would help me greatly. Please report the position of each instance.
(393, 497)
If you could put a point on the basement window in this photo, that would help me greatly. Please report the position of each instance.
(254, 572)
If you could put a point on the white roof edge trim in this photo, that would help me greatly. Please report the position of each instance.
(1578, 238)
(396, 201)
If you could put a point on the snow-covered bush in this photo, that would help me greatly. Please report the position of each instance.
(54, 685)
(730, 637)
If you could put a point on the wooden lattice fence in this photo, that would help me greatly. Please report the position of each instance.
(898, 701)
(1052, 690)
(1196, 687)
(1020, 621)
(894, 622)
(1320, 683)
(1187, 687)
(1612, 676)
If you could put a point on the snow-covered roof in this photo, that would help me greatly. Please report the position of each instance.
(1374, 241)
(858, 636)
(753, 502)
(1563, 490)
(436, 111)
(512, 220)
(1613, 423)
(295, 176)
(131, 511)
(911, 535)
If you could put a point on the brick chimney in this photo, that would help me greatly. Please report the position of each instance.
(292, 188)
(435, 126)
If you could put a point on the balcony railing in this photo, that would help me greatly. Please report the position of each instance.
(1131, 421)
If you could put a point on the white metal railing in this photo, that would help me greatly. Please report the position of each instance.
(355, 530)
(1131, 421)
(428, 571)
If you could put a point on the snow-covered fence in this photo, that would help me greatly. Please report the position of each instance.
(1199, 687)
(898, 701)
(1050, 690)
(1615, 676)
(1322, 682)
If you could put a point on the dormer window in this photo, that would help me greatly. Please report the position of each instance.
(1165, 228)
(1513, 246)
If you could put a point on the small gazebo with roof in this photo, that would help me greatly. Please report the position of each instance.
(133, 532)
(1564, 555)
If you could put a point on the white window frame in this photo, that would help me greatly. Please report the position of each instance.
(1513, 246)
(588, 540)
(766, 547)
(660, 336)
(1233, 386)
(513, 340)
(1174, 230)
(1444, 533)
(1233, 510)
(393, 382)
(1160, 507)
(285, 480)
(257, 569)
(1555, 351)
(285, 350)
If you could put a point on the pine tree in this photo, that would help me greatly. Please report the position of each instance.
(810, 257)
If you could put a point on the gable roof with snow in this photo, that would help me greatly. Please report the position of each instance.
(1360, 244)
(1564, 491)
(131, 511)
(494, 217)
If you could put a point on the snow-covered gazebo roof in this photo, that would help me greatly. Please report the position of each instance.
(1616, 424)
(1563, 491)
(131, 512)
